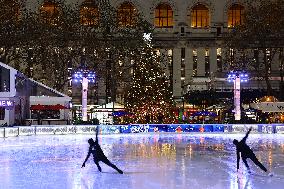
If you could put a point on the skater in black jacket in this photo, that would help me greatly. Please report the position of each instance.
(246, 152)
(98, 154)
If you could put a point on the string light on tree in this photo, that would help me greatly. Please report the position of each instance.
(149, 99)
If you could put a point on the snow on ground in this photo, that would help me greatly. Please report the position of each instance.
(149, 161)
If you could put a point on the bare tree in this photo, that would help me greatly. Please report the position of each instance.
(44, 45)
(258, 39)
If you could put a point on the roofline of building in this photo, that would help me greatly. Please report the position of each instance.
(38, 83)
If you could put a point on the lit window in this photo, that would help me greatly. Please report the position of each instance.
(50, 12)
(200, 16)
(89, 14)
(126, 15)
(207, 63)
(163, 16)
(235, 15)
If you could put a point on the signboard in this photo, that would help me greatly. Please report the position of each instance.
(6, 103)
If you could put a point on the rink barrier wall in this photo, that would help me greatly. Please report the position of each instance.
(137, 128)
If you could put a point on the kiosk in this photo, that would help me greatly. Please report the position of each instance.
(18, 93)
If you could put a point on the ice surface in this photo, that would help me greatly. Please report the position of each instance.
(149, 161)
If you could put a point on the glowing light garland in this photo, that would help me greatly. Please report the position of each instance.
(149, 99)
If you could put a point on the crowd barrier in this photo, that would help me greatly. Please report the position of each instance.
(137, 128)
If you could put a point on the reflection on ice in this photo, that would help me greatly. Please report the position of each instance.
(148, 160)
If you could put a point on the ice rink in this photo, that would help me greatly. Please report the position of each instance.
(149, 161)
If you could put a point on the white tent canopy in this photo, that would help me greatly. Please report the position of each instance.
(110, 106)
(268, 106)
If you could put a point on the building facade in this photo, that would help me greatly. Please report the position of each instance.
(188, 35)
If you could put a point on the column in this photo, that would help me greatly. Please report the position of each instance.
(164, 61)
(176, 72)
(213, 60)
(200, 62)
(188, 65)
(223, 56)
(275, 63)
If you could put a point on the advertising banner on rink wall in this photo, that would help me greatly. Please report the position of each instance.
(138, 128)
(2, 131)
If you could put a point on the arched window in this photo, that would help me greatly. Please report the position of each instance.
(163, 16)
(200, 16)
(50, 12)
(235, 15)
(89, 13)
(126, 15)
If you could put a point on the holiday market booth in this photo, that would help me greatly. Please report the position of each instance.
(106, 113)
(24, 101)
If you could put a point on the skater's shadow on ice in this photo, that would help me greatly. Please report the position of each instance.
(110, 172)
(125, 173)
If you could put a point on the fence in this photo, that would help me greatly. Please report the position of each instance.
(137, 128)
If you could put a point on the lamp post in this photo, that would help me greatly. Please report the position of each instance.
(84, 77)
(237, 77)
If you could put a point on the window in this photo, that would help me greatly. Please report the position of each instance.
(163, 16)
(182, 63)
(194, 68)
(50, 12)
(219, 60)
(200, 16)
(4, 79)
(235, 15)
(207, 63)
(2, 113)
(126, 15)
(89, 14)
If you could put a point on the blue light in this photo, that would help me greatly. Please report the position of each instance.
(78, 76)
(237, 74)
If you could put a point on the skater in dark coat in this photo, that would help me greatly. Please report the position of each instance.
(246, 152)
(98, 154)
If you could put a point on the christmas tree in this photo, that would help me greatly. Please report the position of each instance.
(148, 98)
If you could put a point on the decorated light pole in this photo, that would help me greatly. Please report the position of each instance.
(84, 77)
(237, 77)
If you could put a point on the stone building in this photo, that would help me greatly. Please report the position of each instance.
(188, 35)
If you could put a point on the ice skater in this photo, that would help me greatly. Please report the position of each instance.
(246, 152)
(98, 154)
